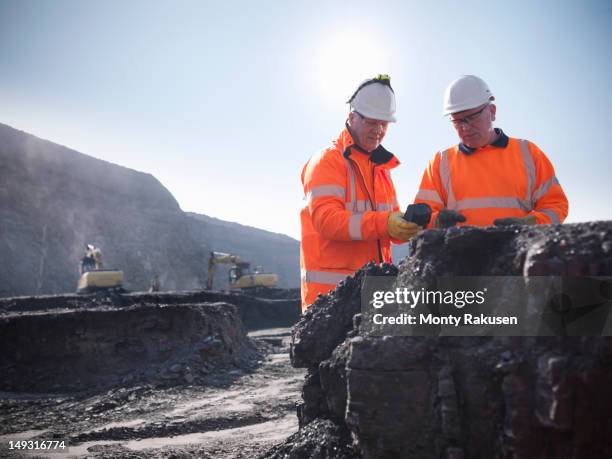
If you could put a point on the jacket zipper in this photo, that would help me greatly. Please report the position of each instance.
(356, 166)
(380, 257)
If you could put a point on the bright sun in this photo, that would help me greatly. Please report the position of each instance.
(343, 59)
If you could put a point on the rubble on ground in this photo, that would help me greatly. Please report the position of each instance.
(235, 413)
(172, 374)
(319, 439)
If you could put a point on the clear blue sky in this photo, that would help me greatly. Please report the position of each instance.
(224, 101)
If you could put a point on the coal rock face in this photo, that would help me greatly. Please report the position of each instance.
(462, 397)
(92, 342)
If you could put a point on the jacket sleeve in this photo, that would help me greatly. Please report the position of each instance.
(550, 202)
(325, 187)
(431, 190)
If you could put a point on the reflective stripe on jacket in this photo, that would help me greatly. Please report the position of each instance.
(513, 179)
(348, 197)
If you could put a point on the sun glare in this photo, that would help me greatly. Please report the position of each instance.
(343, 59)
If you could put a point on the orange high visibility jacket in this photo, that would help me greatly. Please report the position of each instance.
(509, 178)
(349, 195)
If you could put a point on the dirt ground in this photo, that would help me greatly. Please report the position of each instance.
(236, 414)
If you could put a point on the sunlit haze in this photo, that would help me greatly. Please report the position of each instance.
(224, 102)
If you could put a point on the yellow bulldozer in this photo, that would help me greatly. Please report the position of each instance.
(240, 275)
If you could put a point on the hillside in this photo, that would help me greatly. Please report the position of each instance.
(275, 252)
(54, 200)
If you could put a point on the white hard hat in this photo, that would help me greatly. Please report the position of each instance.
(466, 92)
(374, 98)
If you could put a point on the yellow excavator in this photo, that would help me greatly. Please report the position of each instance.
(93, 276)
(240, 275)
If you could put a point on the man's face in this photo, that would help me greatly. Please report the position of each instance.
(369, 133)
(475, 126)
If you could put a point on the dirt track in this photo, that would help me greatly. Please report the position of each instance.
(237, 414)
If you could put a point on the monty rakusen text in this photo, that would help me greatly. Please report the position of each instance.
(404, 297)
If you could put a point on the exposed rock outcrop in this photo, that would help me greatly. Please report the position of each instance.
(110, 339)
(463, 397)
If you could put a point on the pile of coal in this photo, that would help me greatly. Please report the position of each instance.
(321, 438)
(459, 397)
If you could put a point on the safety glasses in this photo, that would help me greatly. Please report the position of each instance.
(468, 120)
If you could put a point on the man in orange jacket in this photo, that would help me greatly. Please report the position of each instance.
(488, 178)
(351, 211)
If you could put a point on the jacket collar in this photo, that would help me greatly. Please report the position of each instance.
(379, 156)
(500, 142)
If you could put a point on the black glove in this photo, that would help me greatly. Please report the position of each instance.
(528, 220)
(418, 213)
(447, 218)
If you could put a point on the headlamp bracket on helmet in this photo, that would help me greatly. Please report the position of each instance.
(380, 78)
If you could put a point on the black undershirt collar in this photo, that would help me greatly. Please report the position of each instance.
(378, 156)
(500, 142)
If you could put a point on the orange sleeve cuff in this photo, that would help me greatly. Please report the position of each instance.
(381, 224)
